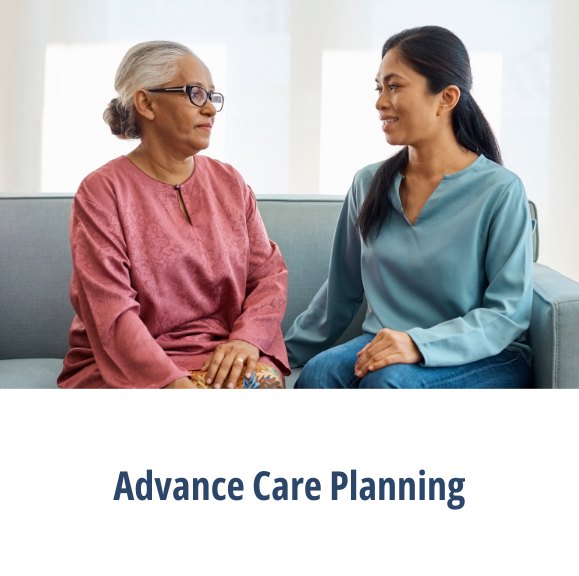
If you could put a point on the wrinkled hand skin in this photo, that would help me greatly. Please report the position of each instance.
(226, 363)
(388, 347)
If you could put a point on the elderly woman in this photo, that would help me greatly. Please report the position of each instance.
(175, 283)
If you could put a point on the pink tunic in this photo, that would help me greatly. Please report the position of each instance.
(154, 295)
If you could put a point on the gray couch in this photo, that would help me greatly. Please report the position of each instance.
(35, 269)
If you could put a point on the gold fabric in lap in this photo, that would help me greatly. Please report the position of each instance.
(265, 377)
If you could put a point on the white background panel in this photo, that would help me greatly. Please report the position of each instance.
(62, 452)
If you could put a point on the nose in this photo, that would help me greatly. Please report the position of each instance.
(383, 101)
(209, 108)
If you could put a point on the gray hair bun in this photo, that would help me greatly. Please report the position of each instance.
(119, 120)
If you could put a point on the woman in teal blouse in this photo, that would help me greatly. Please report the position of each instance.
(438, 239)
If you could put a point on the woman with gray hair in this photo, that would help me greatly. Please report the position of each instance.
(175, 283)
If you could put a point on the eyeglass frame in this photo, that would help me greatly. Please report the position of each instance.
(188, 89)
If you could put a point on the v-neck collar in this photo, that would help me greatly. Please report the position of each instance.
(437, 190)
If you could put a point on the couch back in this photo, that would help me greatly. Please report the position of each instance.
(35, 265)
(35, 270)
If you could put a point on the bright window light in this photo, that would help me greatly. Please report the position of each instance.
(78, 85)
(487, 89)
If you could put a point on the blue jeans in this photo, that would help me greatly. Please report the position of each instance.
(334, 368)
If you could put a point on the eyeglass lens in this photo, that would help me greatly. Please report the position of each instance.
(217, 101)
(199, 96)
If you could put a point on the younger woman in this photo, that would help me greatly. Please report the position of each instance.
(438, 238)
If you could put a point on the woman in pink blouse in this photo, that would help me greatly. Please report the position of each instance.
(175, 283)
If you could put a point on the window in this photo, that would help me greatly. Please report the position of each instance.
(282, 126)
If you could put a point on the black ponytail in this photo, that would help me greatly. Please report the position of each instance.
(377, 207)
(438, 55)
(472, 129)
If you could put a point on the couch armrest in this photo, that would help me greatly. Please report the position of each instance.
(554, 331)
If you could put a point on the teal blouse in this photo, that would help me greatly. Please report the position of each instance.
(459, 281)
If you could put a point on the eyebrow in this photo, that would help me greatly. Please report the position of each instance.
(211, 88)
(389, 76)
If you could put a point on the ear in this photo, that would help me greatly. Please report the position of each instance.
(144, 104)
(449, 98)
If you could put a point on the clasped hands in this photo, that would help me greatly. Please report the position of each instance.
(225, 365)
(388, 347)
(227, 361)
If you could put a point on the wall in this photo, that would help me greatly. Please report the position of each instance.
(8, 19)
(560, 242)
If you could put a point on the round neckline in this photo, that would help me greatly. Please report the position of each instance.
(196, 158)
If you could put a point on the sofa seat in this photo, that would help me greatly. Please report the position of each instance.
(30, 373)
(43, 372)
(291, 379)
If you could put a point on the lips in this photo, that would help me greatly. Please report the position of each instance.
(205, 127)
(387, 121)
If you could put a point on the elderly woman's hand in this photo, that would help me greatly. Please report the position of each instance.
(388, 347)
(227, 361)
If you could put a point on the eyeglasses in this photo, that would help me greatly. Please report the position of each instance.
(198, 95)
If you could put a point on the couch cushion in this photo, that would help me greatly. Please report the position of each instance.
(554, 331)
(303, 227)
(30, 373)
(290, 380)
(35, 308)
(535, 217)
(43, 372)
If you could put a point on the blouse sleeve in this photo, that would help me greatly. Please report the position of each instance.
(265, 292)
(506, 307)
(126, 353)
(338, 300)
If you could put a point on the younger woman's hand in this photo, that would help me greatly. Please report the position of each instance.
(388, 347)
(224, 366)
